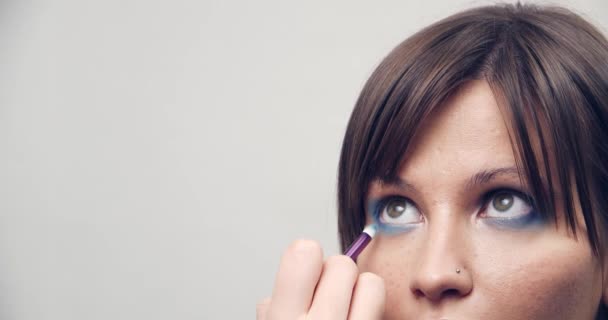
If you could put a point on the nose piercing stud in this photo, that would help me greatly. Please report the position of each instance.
(457, 270)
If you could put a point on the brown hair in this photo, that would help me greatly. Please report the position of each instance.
(548, 69)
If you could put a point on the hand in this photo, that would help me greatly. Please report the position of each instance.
(307, 288)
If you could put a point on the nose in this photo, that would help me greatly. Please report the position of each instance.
(442, 270)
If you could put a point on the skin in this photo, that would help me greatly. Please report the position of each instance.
(532, 270)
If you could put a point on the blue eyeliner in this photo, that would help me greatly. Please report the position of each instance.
(528, 221)
(373, 210)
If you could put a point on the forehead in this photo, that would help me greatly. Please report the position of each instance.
(468, 124)
(467, 132)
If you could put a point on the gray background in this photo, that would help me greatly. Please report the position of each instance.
(157, 156)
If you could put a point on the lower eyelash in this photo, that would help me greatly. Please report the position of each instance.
(375, 209)
(529, 220)
(533, 218)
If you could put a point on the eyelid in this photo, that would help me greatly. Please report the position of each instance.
(376, 204)
(485, 200)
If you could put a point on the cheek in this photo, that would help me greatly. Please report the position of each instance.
(552, 279)
(391, 259)
(547, 277)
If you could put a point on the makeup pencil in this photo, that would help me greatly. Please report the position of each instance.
(358, 245)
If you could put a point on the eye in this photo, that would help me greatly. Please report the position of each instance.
(506, 204)
(397, 211)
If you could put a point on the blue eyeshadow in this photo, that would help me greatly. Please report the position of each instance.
(527, 221)
(373, 211)
(530, 220)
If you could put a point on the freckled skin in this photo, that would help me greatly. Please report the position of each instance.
(539, 272)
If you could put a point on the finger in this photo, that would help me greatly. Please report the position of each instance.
(296, 279)
(335, 288)
(262, 309)
(368, 298)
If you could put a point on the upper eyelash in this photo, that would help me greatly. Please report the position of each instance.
(524, 196)
(485, 198)
(380, 204)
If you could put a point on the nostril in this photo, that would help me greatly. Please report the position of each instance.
(433, 282)
(450, 293)
(418, 293)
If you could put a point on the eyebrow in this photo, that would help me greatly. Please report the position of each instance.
(485, 176)
(479, 178)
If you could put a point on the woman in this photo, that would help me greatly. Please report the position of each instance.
(479, 148)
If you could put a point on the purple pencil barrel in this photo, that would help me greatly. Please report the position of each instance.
(356, 247)
(366, 236)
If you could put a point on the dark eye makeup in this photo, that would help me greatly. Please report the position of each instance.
(502, 207)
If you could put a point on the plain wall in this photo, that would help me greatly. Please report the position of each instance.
(157, 156)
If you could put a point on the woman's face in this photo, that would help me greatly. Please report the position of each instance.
(459, 240)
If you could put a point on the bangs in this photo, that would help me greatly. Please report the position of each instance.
(547, 90)
(551, 97)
